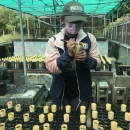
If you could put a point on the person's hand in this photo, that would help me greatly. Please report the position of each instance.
(71, 45)
(81, 56)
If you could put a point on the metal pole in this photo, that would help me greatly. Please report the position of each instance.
(60, 23)
(22, 40)
(114, 32)
(92, 24)
(105, 24)
(54, 3)
(116, 22)
(128, 48)
(123, 25)
(109, 30)
(51, 23)
(126, 32)
(112, 28)
(39, 27)
(123, 32)
(28, 26)
(111, 34)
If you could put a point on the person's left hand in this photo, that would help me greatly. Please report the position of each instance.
(81, 56)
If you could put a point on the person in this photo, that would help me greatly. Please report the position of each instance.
(71, 83)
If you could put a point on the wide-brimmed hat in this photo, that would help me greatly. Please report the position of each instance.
(74, 11)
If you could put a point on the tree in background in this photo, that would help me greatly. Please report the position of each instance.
(10, 26)
(95, 27)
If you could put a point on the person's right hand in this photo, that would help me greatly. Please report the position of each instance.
(71, 45)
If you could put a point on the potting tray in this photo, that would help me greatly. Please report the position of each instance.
(73, 124)
(119, 117)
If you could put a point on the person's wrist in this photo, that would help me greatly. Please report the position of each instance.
(70, 54)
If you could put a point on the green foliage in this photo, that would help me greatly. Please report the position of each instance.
(10, 37)
(9, 21)
(123, 15)
(49, 33)
(10, 25)
(98, 33)
(125, 58)
(40, 104)
(118, 22)
(97, 26)
(87, 29)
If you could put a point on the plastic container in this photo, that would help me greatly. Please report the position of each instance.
(2, 126)
(18, 107)
(2, 113)
(53, 108)
(11, 116)
(93, 106)
(26, 117)
(18, 127)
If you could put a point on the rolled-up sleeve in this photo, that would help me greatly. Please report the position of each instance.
(56, 62)
(51, 54)
(94, 51)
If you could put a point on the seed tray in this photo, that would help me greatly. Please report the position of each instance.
(4, 119)
(73, 124)
(119, 117)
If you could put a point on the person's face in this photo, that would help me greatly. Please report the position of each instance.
(73, 27)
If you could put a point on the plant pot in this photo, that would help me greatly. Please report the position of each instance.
(2, 88)
(128, 71)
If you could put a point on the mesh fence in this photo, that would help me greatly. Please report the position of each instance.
(120, 33)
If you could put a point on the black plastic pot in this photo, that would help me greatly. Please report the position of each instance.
(33, 65)
(20, 65)
(27, 127)
(2, 87)
(3, 119)
(128, 71)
